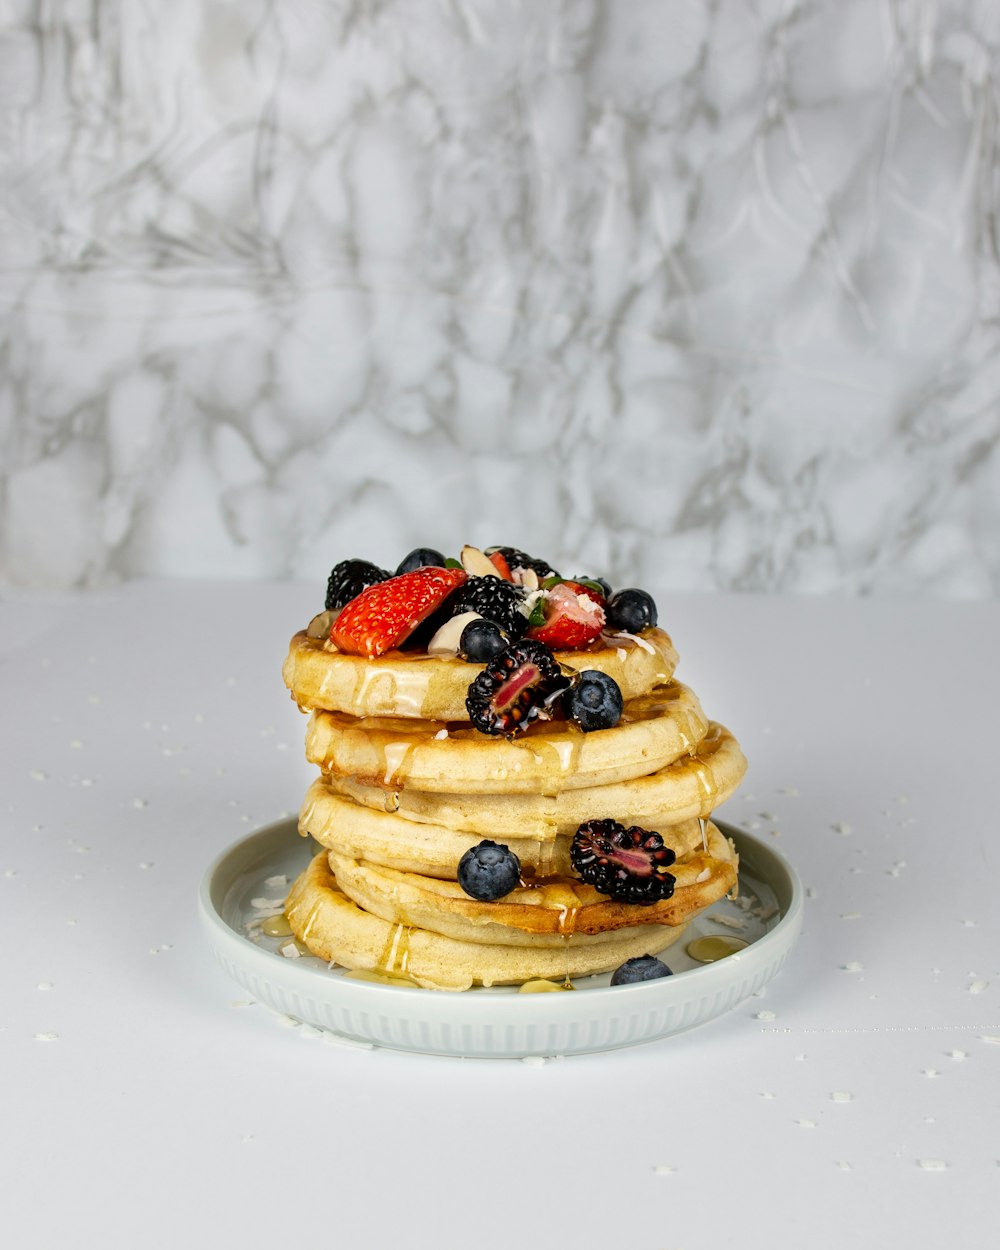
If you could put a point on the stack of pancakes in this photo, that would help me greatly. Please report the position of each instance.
(407, 786)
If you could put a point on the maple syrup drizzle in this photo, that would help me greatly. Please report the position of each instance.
(395, 957)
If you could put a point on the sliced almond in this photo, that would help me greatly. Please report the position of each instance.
(447, 638)
(476, 564)
(527, 578)
(319, 626)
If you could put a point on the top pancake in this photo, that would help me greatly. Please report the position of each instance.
(430, 687)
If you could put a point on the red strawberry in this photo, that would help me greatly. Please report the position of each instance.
(593, 591)
(574, 616)
(502, 567)
(385, 615)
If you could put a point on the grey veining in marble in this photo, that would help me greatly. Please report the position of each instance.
(700, 293)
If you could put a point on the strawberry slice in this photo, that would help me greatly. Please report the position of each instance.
(574, 616)
(384, 615)
(498, 561)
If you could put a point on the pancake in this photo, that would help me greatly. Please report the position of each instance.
(548, 908)
(691, 787)
(388, 838)
(655, 729)
(333, 927)
(410, 782)
(427, 687)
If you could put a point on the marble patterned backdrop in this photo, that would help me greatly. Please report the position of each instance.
(700, 293)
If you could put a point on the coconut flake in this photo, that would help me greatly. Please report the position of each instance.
(639, 642)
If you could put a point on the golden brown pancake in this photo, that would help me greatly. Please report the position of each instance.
(547, 757)
(691, 787)
(414, 684)
(549, 907)
(337, 930)
(386, 837)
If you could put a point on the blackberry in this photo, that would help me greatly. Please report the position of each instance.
(521, 560)
(481, 641)
(488, 871)
(628, 864)
(631, 610)
(641, 968)
(420, 558)
(349, 578)
(595, 701)
(495, 600)
(514, 688)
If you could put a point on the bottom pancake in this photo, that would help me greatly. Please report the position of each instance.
(337, 930)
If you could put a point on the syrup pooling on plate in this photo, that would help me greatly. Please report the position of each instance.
(558, 711)
(716, 946)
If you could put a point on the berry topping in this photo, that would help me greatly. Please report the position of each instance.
(496, 558)
(349, 578)
(488, 871)
(514, 688)
(421, 558)
(495, 600)
(595, 701)
(631, 610)
(641, 968)
(520, 560)
(384, 615)
(571, 616)
(628, 864)
(481, 641)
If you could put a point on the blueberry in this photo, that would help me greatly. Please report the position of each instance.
(631, 610)
(642, 968)
(481, 640)
(421, 558)
(595, 702)
(488, 871)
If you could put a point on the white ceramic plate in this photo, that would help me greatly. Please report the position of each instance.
(498, 1022)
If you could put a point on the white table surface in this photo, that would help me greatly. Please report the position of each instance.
(145, 1103)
